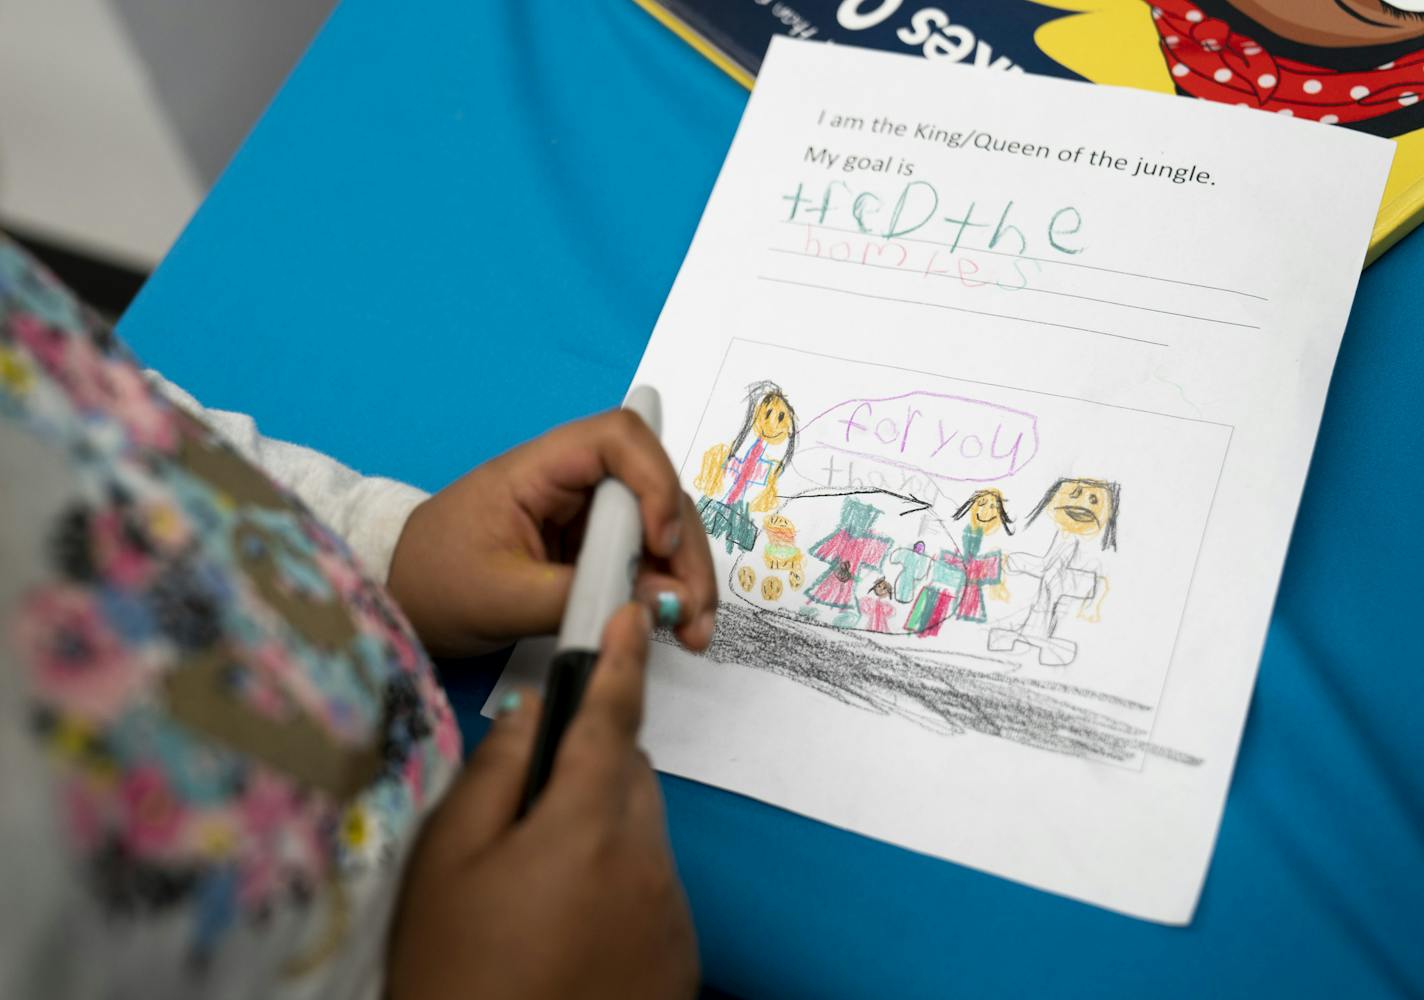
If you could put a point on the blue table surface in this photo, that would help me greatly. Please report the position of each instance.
(455, 227)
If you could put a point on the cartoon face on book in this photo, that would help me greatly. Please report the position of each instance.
(1353, 63)
(1338, 23)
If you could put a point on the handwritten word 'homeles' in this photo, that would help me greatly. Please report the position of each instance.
(942, 436)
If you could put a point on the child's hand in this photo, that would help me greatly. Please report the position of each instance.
(489, 558)
(580, 898)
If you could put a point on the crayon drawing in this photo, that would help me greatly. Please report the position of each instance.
(1081, 509)
(878, 552)
(739, 478)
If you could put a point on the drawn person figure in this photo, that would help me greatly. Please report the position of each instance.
(1082, 509)
(731, 474)
(987, 514)
(848, 550)
(915, 566)
(877, 607)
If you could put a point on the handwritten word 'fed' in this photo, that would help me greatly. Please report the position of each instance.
(945, 437)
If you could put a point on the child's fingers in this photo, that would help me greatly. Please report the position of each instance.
(593, 763)
(485, 797)
(626, 449)
(692, 565)
(664, 595)
(613, 702)
(530, 598)
(682, 591)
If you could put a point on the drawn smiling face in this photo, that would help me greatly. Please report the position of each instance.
(1081, 507)
(988, 511)
(773, 419)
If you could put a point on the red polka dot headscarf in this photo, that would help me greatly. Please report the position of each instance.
(1211, 61)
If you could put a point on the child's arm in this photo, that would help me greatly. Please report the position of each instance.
(488, 559)
(369, 512)
(1091, 609)
(766, 500)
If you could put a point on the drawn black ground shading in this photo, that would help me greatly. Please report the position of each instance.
(931, 691)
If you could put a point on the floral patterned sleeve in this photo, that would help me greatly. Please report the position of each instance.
(218, 734)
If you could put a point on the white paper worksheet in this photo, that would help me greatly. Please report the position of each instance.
(997, 395)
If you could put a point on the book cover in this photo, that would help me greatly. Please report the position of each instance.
(1355, 64)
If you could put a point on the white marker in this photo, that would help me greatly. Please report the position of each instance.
(603, 583)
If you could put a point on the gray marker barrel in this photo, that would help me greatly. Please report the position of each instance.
(612, 547)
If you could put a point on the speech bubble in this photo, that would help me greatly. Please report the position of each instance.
(945, 437)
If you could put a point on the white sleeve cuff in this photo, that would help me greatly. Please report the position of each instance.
(368, 511)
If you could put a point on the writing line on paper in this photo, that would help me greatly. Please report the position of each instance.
(963, 309)
(1038, 260)
(1027, 288)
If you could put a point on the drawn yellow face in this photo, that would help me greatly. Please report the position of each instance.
(771, 589)
(988, 511)
(1081, 507)
(773, 419)
(746, 578)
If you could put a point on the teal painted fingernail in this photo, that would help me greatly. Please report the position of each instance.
(669, 608)
(510, 702)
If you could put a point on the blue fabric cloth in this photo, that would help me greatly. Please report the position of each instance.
(455, 227)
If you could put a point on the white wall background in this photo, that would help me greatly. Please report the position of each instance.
(117, 115)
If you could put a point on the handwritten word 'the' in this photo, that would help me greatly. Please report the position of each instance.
(916, 207)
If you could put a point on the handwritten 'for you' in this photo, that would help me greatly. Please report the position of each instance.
(946, 437)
